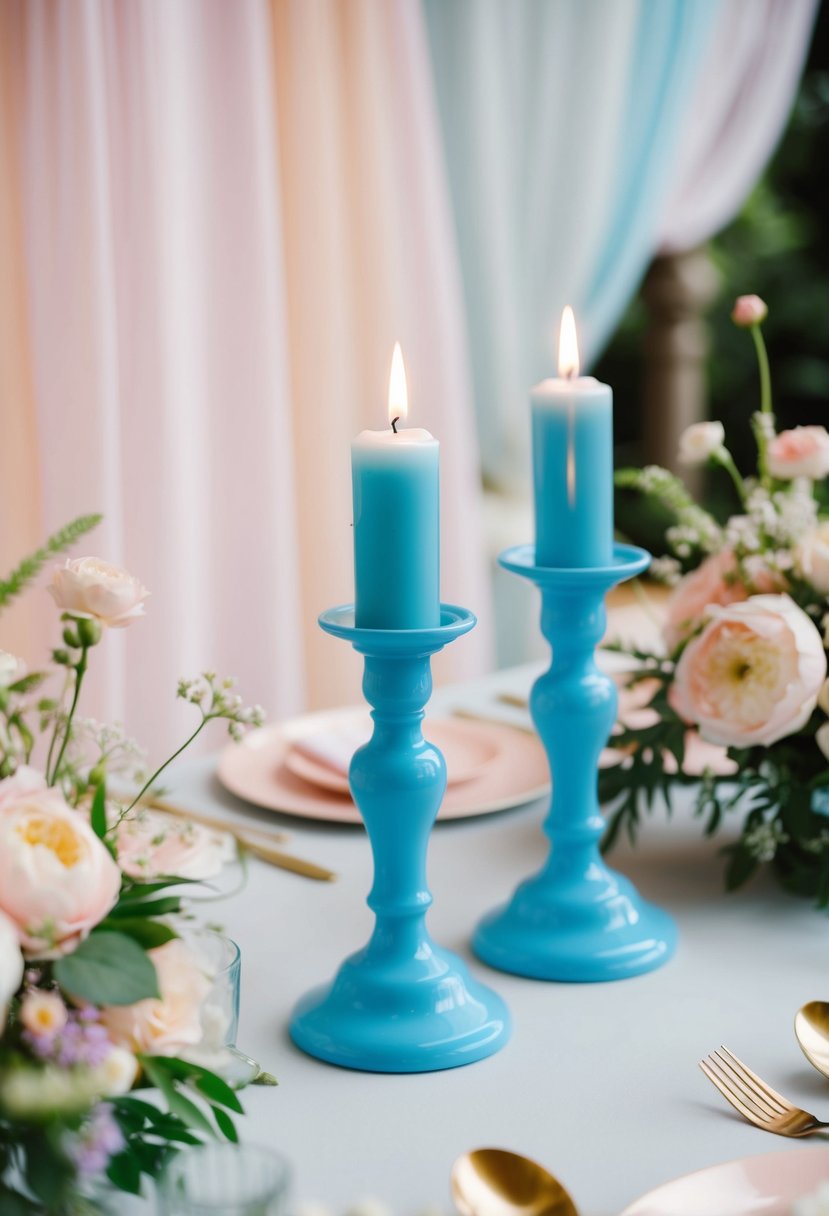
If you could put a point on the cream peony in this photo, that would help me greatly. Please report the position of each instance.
(753, 675)
(801, 452)
(167, 1026)
(87, 586)
(152, 844)
(57, 879)
(11, 965)
(811, 558)
(699, 442)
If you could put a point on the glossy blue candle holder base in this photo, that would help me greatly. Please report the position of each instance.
(402, 1004)
(576, 919)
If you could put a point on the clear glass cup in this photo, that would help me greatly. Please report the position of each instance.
(224, 1180)
(222, 960)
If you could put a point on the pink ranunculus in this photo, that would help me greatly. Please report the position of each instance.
(801, 452)
(753, 675)
(11, 965)
(713, 582)
(151, 844)
(89, 587)
(57, 879)
(165, 1026)
(748, 311)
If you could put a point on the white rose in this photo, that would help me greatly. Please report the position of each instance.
(117, 1073)
(87, 586)
(811, 557)
(11, 668)
(11, 966)
(700, 441)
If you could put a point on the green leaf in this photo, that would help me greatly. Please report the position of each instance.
(148, 933)
(108, 969)
(141, 890)
(31, 566)
(741, 866)
(29, 682)
(225, 1124)
(178, 1104)
(124, 1172)
(147, 907)
(207, 1082)
(98, 815)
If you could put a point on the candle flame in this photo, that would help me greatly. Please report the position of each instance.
(568, 346)
(398, 393)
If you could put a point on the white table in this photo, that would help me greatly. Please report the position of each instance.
(600, 1081)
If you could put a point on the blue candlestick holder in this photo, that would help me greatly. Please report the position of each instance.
(576, 919)
(402, 1004)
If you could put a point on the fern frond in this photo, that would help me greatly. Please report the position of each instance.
(32, 565)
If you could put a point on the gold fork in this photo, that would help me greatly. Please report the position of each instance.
(754, 1099)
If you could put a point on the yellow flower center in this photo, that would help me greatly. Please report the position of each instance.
(56, 835)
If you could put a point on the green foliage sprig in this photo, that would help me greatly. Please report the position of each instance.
(32, 565)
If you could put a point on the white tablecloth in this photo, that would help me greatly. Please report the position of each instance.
(600, 1081)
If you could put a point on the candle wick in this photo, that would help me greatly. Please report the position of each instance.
(394, 423)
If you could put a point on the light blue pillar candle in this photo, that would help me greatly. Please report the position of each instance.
(572, 444)
(395, 483)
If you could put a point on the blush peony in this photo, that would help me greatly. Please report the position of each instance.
(151, 844)
(753, 675)
(713, 582)
(811, 557)
(801, 452)
(57, 879)
(167, 1026)
(11, 965)
(89, 587)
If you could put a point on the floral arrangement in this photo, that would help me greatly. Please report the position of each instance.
(101, 999)
(744, 662)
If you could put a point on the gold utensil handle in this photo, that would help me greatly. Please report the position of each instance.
(287, 861)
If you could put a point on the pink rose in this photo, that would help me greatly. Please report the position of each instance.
(89, 587)
(167, 1026)
(753, 675)
(748, 311)
(151, 844)
(57, 879)
(11, 965)
(801, 452)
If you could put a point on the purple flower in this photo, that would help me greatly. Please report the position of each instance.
(99, 1138)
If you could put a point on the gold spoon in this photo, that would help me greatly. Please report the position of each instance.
(494, 1182)
(811, 1026)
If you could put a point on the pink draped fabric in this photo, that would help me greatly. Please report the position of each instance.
(230, 212)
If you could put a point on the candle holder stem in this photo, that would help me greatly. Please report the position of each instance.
(401, 1004)
(576, 919)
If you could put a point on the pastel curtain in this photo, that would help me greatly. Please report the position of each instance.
(220, 217)
(740, 106)
(215, 220)
(580, 136)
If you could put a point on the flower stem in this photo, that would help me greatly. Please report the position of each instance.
(151, 780)
(80, 671)
(763, 364)
(726, 461)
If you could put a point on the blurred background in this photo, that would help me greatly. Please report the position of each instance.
(217, 217)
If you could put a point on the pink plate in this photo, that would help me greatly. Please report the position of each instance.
(515, 772)
(752, 1186)
(467, 753)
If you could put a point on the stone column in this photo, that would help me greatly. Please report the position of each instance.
(678, 289)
